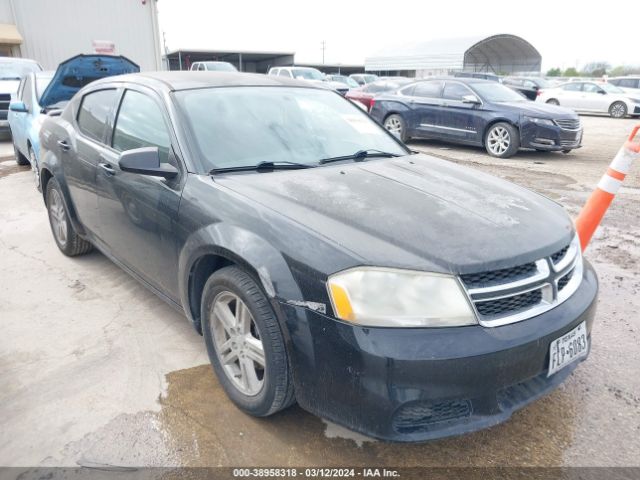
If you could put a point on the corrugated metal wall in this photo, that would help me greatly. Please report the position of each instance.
(54, 30)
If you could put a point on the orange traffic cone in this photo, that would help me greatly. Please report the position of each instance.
(608, 186)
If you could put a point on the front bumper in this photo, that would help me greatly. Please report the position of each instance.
(550, 138)
(406, 384)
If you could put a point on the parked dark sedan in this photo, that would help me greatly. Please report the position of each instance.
(477, 112)
(397, 294)
(527, 86)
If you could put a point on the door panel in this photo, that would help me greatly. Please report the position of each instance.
(456, 120)
(138, 213)
(592, 100)
(80, 153)
(424, 105)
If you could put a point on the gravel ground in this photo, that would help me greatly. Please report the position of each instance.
(95, 371)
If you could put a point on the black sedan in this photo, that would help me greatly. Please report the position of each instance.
(397, 294)
(477, 112)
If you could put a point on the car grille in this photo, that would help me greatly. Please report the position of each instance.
(420, 417)
(568, 123)
(5, 99)
(513, 294)
(494, 277)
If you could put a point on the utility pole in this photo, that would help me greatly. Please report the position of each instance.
(324, 47)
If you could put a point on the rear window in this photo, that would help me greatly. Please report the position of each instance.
(94, 111)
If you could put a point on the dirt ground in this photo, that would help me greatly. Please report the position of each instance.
(96, 371)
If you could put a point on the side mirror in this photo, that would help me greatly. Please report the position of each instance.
(602, 92)
(470, 99)
(18, 107)
(146, 161)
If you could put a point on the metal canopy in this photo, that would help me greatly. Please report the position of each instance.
(251, 61)
(502, 53)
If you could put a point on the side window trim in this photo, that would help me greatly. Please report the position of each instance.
(466, 87)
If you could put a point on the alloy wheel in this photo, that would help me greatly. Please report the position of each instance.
(499, 140)
(58, 217)
(237, 342)
(618, 110)
(393, 125)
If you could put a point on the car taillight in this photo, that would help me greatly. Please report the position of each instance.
(538, 93)
(371, 103)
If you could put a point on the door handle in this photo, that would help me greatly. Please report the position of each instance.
(64, 145)
(108, 169)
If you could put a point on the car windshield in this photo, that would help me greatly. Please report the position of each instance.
(243, 126)
(220, 66)
(307, 73)
(42, 82)
(496, 92)
(17, 70)
(607, 87)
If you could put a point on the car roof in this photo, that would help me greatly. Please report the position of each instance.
(185, 80)
(16, 60)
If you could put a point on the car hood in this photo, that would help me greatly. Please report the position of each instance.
(78, 71)
(538, 109)
(414, 212)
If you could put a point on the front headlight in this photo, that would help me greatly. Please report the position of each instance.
(385, 297)
(540, 121)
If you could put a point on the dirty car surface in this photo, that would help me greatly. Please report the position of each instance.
(399, 295)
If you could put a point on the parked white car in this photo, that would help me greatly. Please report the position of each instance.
(630, 84)
(311, 75)
(213, 67)
(592, 97)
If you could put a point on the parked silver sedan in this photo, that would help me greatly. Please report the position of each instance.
(592, 97)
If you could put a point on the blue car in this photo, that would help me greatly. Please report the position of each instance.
(477, 112)
(41, 93)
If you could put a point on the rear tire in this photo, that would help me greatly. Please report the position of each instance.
(68, 241)
(35, 168)
(20, 158)
(618, 110)
(553, 101)
(245, 344)
(396, 125)
(502, 140)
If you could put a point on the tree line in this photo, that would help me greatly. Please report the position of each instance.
(595, 69)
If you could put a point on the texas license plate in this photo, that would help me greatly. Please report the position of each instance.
(568, 348)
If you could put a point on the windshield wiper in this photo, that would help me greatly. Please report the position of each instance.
(359, 156)
(261, 167)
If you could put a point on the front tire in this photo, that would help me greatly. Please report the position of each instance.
(553, 101)
(68, 241)
(502, 140)
(618, 110)
(396, 125)
(245, 344)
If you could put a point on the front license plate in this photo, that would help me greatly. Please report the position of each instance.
(568, 348)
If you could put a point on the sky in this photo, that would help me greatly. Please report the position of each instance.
(566, 33)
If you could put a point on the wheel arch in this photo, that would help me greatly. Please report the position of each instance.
(221, 245)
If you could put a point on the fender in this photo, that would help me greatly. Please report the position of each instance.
(242, 247)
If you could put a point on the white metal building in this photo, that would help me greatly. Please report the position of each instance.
(501, 53)
(50, 31)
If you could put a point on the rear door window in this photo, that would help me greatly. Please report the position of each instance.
(428, 89)
(94, 112)
(140, 123)
(573, 87)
